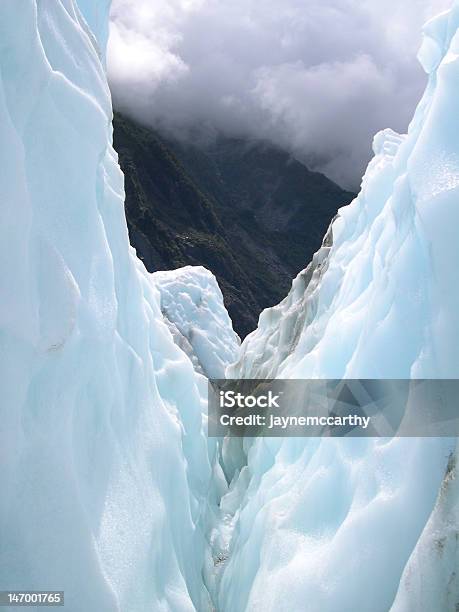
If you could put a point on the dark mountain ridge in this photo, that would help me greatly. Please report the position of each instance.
(248, 212)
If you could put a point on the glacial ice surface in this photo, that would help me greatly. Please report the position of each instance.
(362, 524)
(106, 470)
(110, 489)
(192, 305)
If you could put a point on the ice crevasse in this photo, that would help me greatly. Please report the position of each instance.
(110, 489)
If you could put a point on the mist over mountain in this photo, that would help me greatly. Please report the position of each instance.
(245, 210)
(316, 78)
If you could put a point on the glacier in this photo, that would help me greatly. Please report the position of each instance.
(192, 306)
(108, 481)
(369, 525)
(110, 488)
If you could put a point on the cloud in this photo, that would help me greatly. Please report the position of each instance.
(317, 77)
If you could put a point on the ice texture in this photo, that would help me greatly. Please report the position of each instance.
(109, 487)
(106, 473)
(430, 580)
(362, 524)
(192, 305)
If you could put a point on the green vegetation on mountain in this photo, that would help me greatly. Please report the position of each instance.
(248, 212)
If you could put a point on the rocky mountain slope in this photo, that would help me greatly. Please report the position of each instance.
(246, 211)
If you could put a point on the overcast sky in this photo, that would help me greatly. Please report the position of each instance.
(317, 77)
